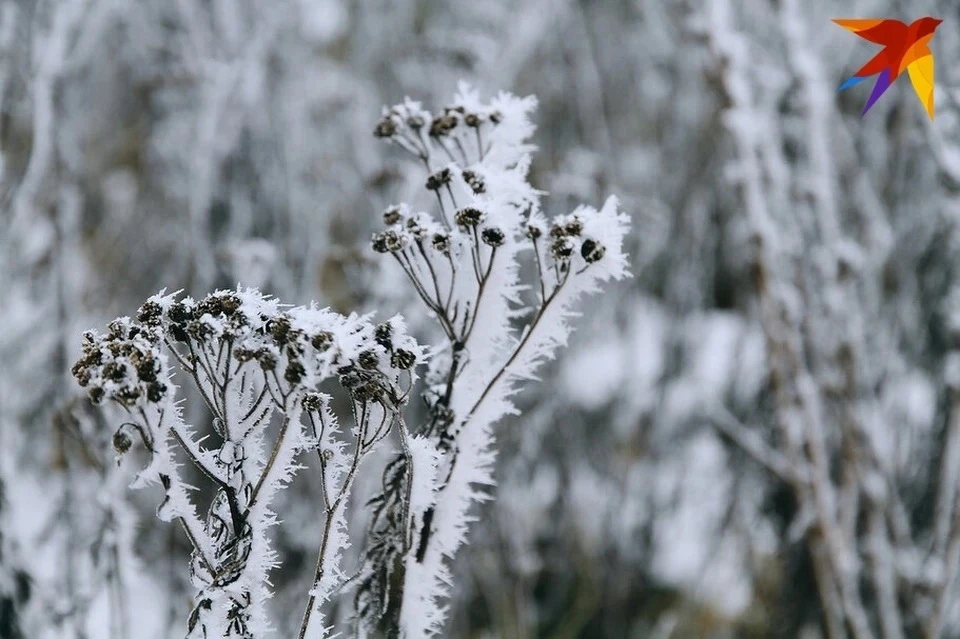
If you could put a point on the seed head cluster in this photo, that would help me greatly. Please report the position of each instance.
(302, 346)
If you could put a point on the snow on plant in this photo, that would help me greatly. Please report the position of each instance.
(463, 260)
(259, 367)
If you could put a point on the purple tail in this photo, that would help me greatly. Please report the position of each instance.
(883, 83)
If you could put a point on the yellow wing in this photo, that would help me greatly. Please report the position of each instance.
(921, 76)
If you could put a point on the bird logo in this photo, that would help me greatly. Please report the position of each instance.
(904, 47)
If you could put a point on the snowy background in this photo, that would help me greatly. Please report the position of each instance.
(793, 319)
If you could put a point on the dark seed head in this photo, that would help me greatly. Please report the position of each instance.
(121, 442)
(391, 216)
(312, 402)
(592, 251)
(413, 225)
(322, 340)
(117, 329)
(403, 359)
(469, 216)
(115, 372)
(230, 304)
(386, 128)
(383, 334)
(474, 181)
(147, 370)
(178, 333)
(211, 305)
(441, 242)
(368, 360)
(574, 227)
(149, 313)
(266, 359)
(379, 243)
(294, 372)
(443, 125)
(492, 236)
(279, 329)
(438, 179)
(81, 373)
(562, 248)
(179, 313)
(128, 396)
(96, 394)
(199, 330)
(367, 391)
(156, 391)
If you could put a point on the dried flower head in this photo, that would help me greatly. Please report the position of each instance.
(387, 242)
(386, 128)
(383, 334)
(312, 402)
(438, 179)
(441, 242)
(492, 236)
(392, 215)
(592, 251)
(574, 226)
(403, 359)
(474, 181)
(561, 248)
(469, 216)
(368, 360)
(322, 340)
(121, 441)
(151, 313)
(417, 226)
(443, 124)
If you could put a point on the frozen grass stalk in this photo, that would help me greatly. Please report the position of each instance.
(258, 367)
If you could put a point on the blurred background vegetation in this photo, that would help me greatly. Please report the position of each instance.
(196, 144)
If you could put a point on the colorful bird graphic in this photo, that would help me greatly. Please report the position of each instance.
(904, 47)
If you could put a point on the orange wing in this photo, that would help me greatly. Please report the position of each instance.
(886, 32)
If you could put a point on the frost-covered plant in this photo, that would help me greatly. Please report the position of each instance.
(464, 260)
(259, 368)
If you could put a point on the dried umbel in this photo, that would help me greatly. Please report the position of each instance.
(257, 366)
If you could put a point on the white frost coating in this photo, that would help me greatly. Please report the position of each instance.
(256, 365)
(490, 216)
(424, 457)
